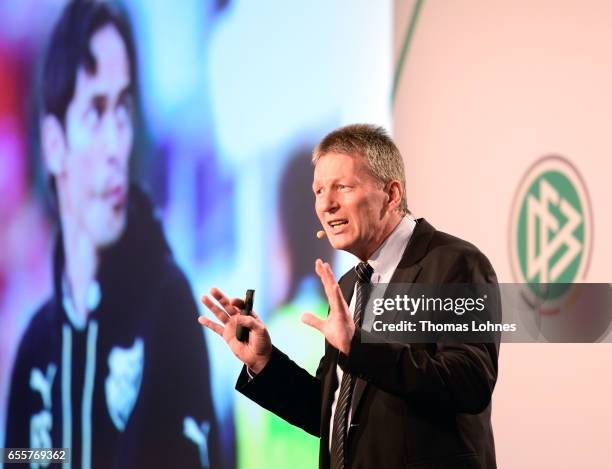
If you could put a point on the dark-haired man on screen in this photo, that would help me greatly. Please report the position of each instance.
(111, 366)
(375, 404)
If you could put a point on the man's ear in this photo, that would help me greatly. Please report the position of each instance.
(394, 194)
(53, 144)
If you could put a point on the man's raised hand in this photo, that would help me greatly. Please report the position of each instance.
(339, 327)
(255, 353)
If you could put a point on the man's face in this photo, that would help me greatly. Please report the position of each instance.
(98, 142)
(350, 204)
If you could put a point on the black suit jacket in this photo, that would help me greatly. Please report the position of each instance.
(414, 406)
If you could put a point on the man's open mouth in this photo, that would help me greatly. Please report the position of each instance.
(337, 223)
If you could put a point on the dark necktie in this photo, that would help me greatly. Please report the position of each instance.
(338, 451)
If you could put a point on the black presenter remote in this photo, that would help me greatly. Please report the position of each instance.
(242, 333)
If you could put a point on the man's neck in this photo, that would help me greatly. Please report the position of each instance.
(389, 227)
(81, 264)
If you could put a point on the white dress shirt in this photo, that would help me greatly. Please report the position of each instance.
(384, 261)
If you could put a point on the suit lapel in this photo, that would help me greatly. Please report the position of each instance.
(407, 271)
(409, 267)
(347, 285)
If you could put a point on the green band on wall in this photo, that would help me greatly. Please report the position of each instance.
(404, 51)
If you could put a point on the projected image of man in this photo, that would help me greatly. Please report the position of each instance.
(111, 366)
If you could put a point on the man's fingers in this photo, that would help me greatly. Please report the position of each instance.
(329, 273)
(237, 302)
(332, 289)
(318, 264)
(220, 313)
(213, 326)
(336, 300)
(321, 272)
(224, 301)
(313, 321)
(250, 322)
(324, 276)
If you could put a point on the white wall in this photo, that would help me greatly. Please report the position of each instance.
(487, 89)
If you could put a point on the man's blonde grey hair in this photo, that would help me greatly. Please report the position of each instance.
(373, 144)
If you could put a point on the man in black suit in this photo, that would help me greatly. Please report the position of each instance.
(375, 404)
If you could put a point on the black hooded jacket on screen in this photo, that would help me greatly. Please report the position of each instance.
(129, 388)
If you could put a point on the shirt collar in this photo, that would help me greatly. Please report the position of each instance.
(386, 258)
(94, 296)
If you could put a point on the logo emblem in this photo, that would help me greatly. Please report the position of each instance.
(123, 382)
(551, 227)
(198, 434)
(42, 422)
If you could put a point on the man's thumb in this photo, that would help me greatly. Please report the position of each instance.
(313, 321)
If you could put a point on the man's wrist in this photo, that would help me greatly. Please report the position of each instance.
(256, 367)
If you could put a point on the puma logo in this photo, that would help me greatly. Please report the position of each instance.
(198, 434)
